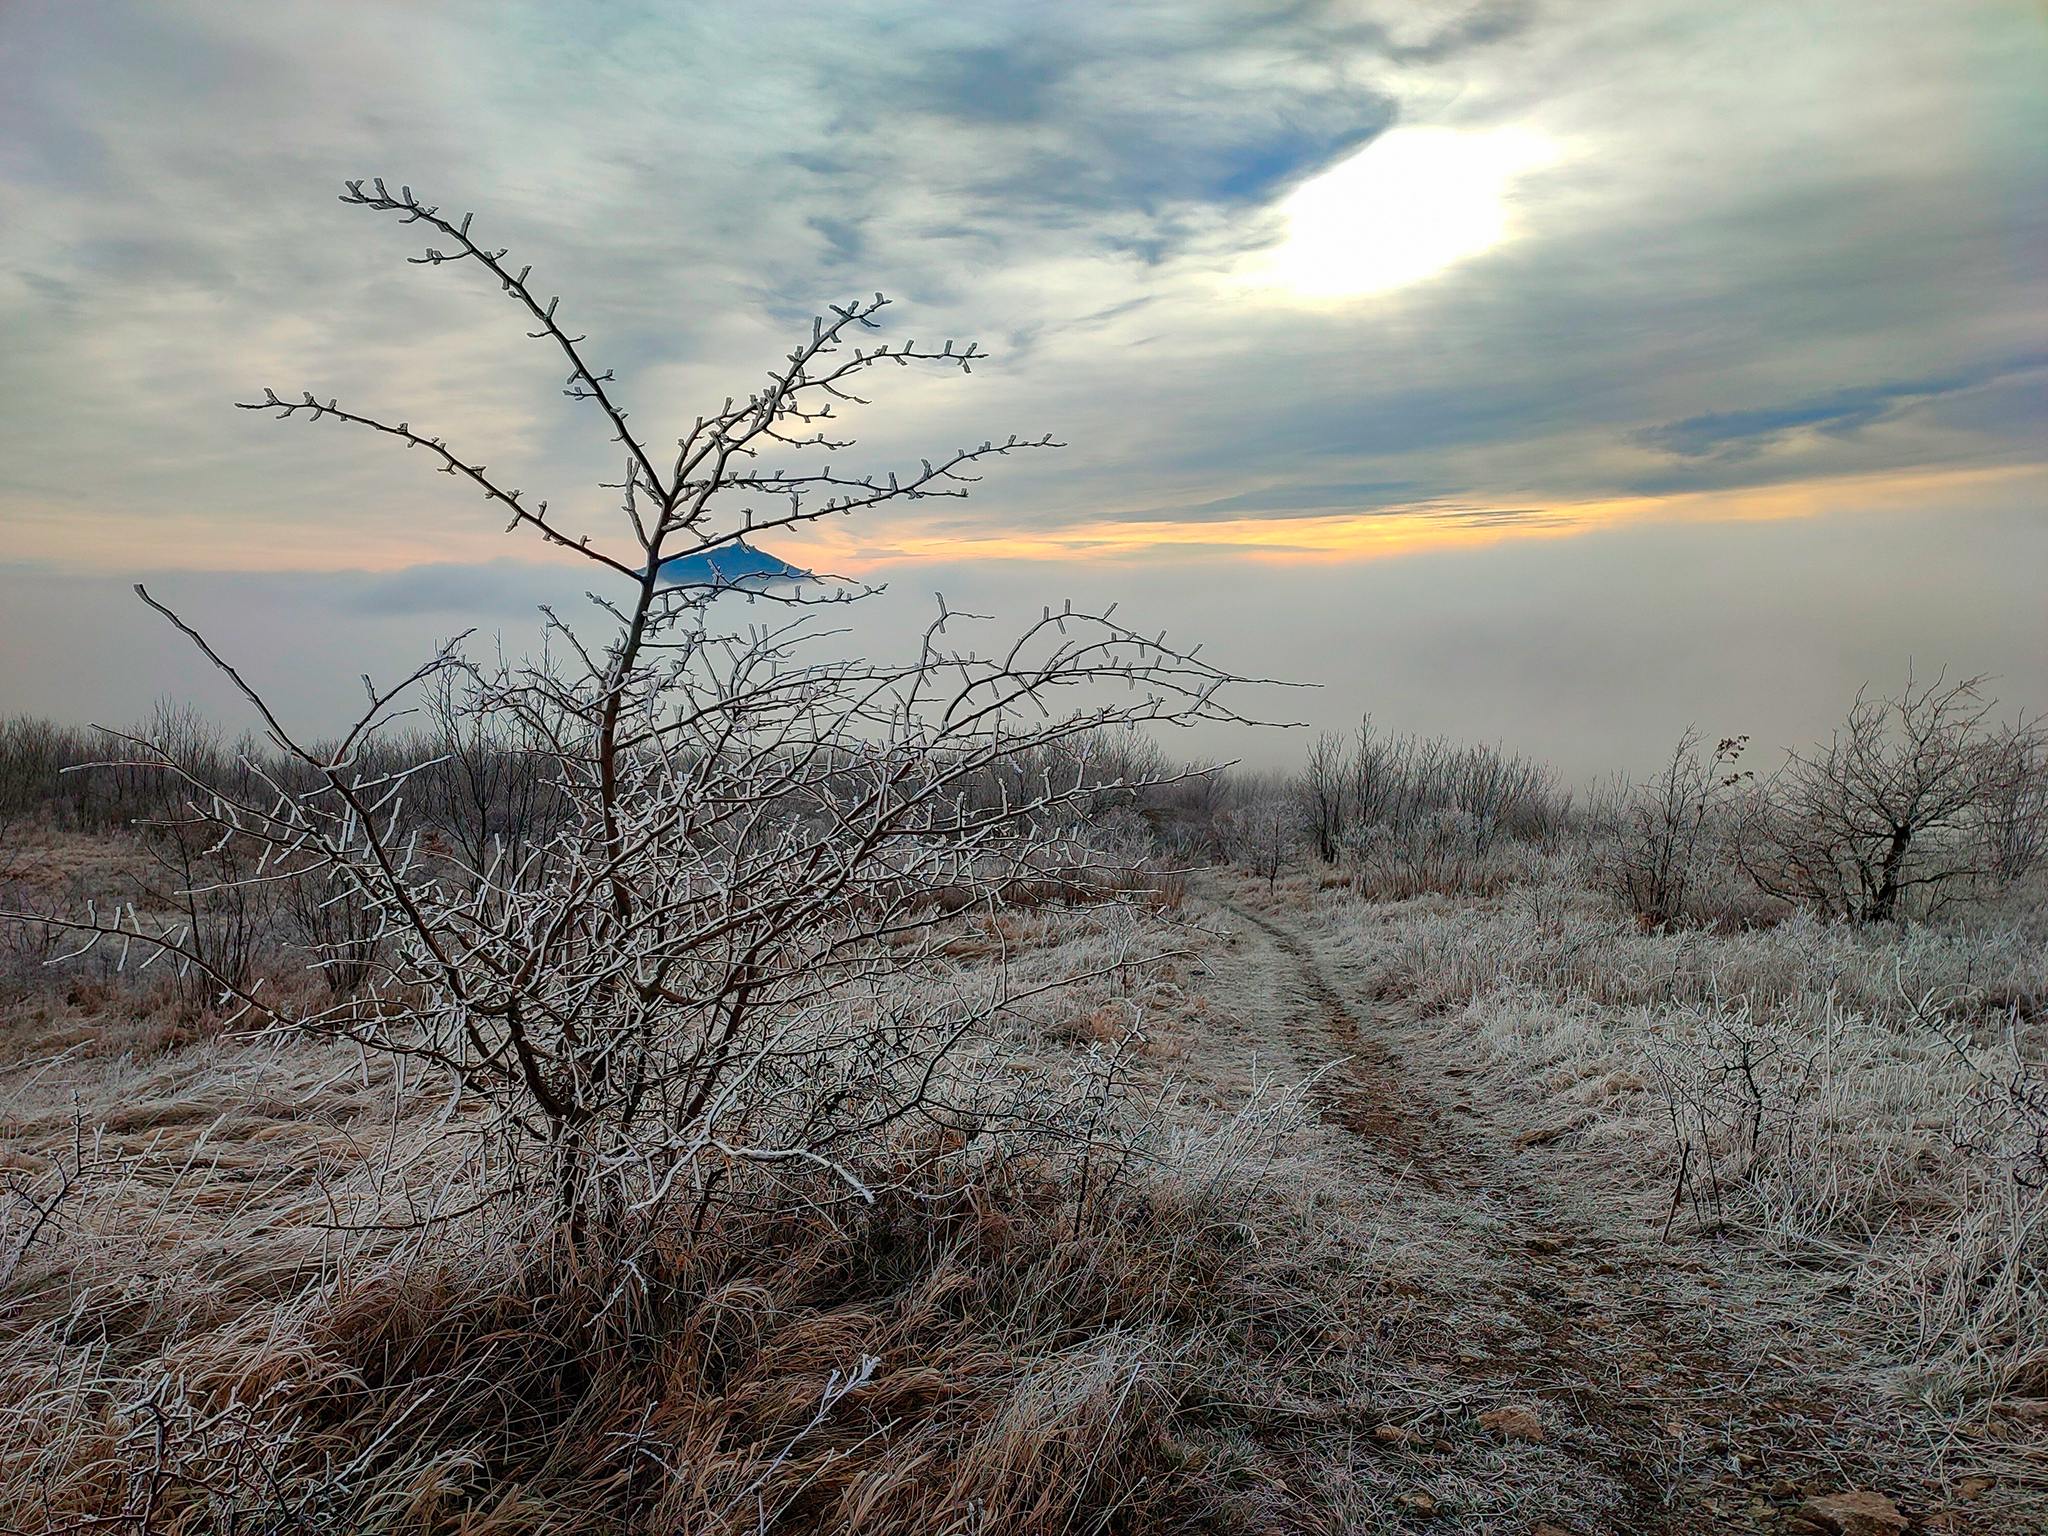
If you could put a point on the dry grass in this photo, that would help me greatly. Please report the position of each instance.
(1020, 1369)
(197, 1340)
(1835, 1093)
(1192, 1316)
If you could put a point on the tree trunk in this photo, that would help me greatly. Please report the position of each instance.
(1884, 904)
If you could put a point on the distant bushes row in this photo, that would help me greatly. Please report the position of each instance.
(482, 792)
(467, 785)
(1400, 815)
(482, 786)
(1917, 802)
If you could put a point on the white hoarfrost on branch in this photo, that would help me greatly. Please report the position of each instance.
(691, 989)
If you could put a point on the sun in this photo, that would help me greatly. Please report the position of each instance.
(1408, 205)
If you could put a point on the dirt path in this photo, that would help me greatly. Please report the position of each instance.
(1669, 1398)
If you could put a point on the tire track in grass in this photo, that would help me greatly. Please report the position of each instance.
(1601, 1310)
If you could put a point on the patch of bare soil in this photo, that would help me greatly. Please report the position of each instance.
(1547, 1360)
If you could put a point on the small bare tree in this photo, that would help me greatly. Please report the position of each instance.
(1324, 782)
(1396, 783)
(1260, 834)
(695, 981)
(1376, 777)
(1655, 833)
(205, 872)
(1901, 808)
(489, 782)
(2014, 815)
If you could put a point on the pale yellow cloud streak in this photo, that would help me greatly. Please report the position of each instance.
(48, 533)
(1423, 526)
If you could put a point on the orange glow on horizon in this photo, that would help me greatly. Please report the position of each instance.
(1398, 530)
(47, 533)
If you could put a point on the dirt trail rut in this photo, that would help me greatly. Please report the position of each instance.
(1647, 1371)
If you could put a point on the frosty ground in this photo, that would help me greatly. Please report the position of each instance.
(1444, 1212)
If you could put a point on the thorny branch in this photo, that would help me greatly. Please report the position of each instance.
(694, 987)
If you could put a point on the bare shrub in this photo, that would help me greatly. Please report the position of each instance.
(2013, 812)
(1917, 801)
(1378, 778)
(328, 923)
(1733, 1082)
(1261, 833)
(1397, 781)
(486, 773)
(33, 753)
(1659, 839)
(1433, 853)
(210, 873)
(1504, 794)
(677, 996)
(1185, 815)
(1323, 792)
(1407, 815)
(676, 1156)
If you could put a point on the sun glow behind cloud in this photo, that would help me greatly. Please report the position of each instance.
(1408, 205)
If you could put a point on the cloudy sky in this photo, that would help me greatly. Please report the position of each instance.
(1557, 372)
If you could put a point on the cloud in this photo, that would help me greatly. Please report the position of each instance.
(1076, 117)
(1733, 436)
(1483, 24)
(1286, 501)
(1754, 214)
(1005, 84)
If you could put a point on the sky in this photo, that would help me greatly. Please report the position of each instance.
(1555, 373)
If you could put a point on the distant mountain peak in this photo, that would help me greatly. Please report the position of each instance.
(735, 565)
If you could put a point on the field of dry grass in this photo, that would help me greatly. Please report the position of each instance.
(1817, 1121)
(221, 1306)
(1487, 1213)
(1835, 1096)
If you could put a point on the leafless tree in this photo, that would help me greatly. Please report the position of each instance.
(1655, 833)
(1376, 777)
(1506, 794)
(1324, 782)
(1900, 809)
(1260, 834)
(695, 983)
(1396, 783)
(32, 756)
(2014, 815)
(206, 872)
(489, 775)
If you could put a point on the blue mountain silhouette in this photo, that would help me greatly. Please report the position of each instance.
(737, 564)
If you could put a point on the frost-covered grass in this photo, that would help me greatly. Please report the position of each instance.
(235, 1309)
(1146, 1321)
(1839, 1095)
